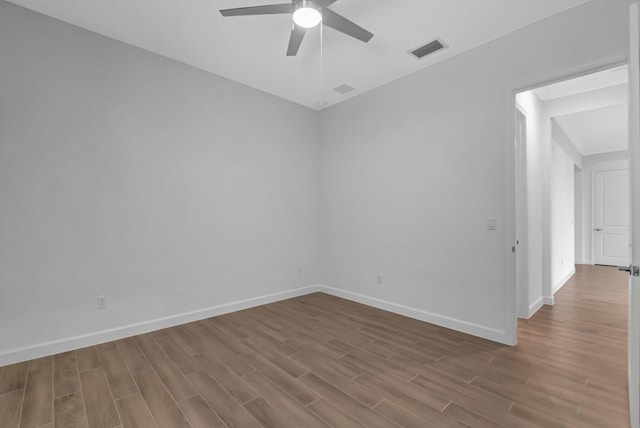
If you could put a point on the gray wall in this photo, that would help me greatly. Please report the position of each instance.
(171, 190)
(412, 171)
(127, 174)
(562, 217)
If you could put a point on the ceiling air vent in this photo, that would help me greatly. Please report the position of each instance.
(343, 89)
(427, 49)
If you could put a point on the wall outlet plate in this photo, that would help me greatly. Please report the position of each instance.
(102, 302)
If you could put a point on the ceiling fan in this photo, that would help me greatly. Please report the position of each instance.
(306, 14)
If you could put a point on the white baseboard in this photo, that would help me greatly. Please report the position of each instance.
(548, 300)
(564, 280)
(535, 307)
(441, 320)
(63, 345)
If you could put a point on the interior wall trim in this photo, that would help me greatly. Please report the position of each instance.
(535, 307)
(76, 342)
(484, 332)
(557, 286)
(38, 350)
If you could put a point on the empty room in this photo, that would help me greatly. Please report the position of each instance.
(329, 213)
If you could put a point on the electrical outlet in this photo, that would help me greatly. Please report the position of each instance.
(379, 278)
(102, 302)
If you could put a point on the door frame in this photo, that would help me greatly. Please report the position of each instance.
(511, 174)
(521, 243)
(634, 206)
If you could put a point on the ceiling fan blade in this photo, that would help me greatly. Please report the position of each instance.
(342, 24)
(297, 34)
(270, 9)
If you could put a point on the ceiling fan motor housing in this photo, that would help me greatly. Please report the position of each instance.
(307, 14)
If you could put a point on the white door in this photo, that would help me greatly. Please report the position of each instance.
(611, 218)
(634, 169)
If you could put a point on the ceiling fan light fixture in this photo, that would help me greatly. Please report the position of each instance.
(307, 14)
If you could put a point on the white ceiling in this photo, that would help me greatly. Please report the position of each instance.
(251, 50)
(590, 82)
(598, 131)
(594, 120)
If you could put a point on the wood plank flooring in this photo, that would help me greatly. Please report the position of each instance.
(318, 361)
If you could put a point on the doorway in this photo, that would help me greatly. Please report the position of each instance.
(576, 131)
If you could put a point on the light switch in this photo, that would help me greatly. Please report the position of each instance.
(491, 224)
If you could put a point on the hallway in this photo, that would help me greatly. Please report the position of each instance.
(579, 349)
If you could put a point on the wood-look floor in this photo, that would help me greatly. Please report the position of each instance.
(319, 361)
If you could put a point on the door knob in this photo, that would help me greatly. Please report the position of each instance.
(598, 229)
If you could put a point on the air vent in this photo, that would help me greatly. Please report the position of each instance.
(427, 49)
(343, 89)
